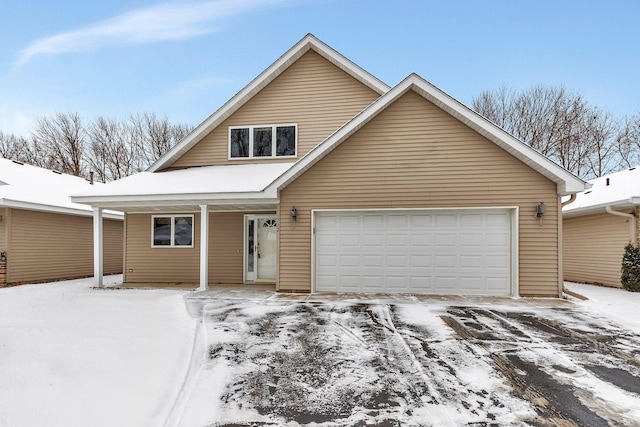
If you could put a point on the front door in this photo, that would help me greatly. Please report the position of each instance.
(260, 248)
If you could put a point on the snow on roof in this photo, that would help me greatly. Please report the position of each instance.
(221, 180)
(618, 190)
(30, 187)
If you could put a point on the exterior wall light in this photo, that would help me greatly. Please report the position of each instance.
(294, 213)
(540, 210)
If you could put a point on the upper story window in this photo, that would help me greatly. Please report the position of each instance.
(172, 231)
(265, 141)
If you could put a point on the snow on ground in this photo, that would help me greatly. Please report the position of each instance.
(72, 355)
(619, 305)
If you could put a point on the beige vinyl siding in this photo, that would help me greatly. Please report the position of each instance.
(3, 233)
(593, 246)
(113, 246)
(182, 265)
(313, 93)
(415, 155)
(146, 264)
(226, 247)
(48, 246)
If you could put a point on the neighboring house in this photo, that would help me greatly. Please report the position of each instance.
(319, 177)
(43, 235)
(598, 225)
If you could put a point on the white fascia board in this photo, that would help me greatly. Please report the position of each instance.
(156, 199)
(17, 204)
(566, 182)
(261, 81)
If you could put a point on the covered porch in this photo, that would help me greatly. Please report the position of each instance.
(206, 213)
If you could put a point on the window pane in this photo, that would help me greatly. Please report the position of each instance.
(183, 231)
(162, 231)
(240, 142)
(286, 141)
(262, 142)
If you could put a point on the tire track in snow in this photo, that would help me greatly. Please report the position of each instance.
(519, 342)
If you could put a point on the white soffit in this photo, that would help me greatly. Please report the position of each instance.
(260, 82)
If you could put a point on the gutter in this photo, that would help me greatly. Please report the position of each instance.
(632, 223)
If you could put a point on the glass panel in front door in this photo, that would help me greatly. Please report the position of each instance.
(267, 229)
(250, 242)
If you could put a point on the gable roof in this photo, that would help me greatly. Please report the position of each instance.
(566, 182)
(29, 187)
(620, 190)
(309, 42)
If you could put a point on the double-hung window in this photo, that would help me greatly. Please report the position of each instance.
(264, 141)
(172, 231)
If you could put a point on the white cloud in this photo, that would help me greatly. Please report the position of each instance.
(167, 21)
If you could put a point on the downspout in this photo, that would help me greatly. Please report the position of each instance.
(632, 223)
(572, 199)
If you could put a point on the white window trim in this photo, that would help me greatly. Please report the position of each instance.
(173, 245)
(273, 141)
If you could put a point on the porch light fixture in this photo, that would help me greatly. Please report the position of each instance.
(294, 213)
(540, 211)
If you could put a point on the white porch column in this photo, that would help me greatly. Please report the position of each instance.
(98, 259)
(204, 247)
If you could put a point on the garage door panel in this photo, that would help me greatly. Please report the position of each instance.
(327, 261)
(471, 220)
(444, 240)
(397, 240)
(498, 285)
(419, 239)
(497, 261)
(502, 219)
(350, 261)
(349, 221)
(445, 261)
(472, 240)
(421, 260)
(446, 283)
(397, 221)
(472, 284)
(421, 221)
(446, 220)
(372, 221)
(433, 251)
(471, 261)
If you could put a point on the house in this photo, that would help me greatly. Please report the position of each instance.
(318, 177)
(43, 235)
(597, 226)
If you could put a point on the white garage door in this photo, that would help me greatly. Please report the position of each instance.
(455, 252)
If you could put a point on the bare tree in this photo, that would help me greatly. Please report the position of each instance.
(628, 141)
(558, 123)
(63, 139)
(111, 148)
(154, 136)
(110, 153)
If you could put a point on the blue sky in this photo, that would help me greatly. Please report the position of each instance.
(184, 59)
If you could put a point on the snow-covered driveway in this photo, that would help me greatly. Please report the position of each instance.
(71, 355)
(274, 362)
